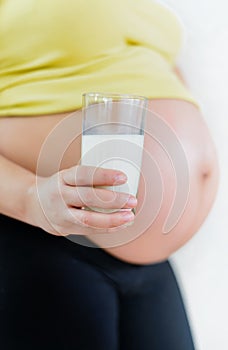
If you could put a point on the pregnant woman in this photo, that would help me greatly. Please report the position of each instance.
(55, 293)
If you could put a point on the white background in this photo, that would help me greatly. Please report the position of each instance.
(202, 264)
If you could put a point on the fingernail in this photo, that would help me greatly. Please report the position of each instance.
(129, 223)
(128, 216)
(132, 201)
(120, 178)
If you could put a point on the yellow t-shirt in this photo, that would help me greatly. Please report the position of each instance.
(51, 52)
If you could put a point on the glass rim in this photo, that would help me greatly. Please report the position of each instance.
(115, 95)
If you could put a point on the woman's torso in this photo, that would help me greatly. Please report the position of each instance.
(40, 83)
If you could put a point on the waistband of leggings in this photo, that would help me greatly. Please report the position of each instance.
(78, 246)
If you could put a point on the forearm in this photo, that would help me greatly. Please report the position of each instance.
(15, 182)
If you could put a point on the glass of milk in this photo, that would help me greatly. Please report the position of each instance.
(113, 136)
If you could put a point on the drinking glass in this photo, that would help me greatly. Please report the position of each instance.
(113, 136)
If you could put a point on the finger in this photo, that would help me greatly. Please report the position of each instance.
(96, 197)
(101, 220)
(92, 176)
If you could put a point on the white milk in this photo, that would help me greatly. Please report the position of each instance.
(120, 152)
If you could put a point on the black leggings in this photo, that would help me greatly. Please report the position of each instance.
(56, 294)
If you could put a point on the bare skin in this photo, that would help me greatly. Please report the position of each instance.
(21, 141)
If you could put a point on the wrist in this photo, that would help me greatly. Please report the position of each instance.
(34, 212)
(30, 202)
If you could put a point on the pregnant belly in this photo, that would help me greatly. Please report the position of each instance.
(177, 186)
